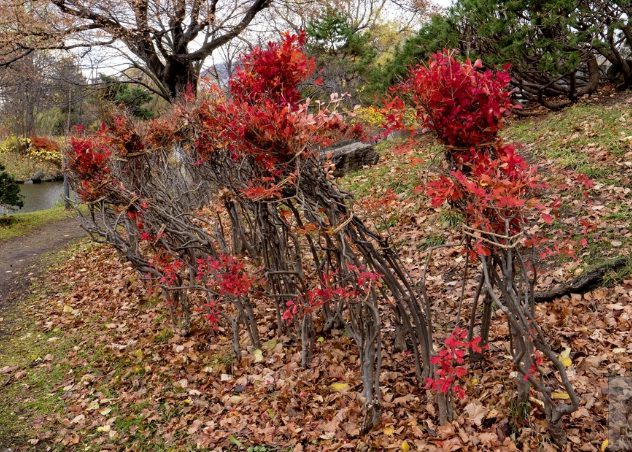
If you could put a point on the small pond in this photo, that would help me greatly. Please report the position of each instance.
(39, 196)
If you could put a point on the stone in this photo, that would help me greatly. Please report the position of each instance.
(37, 177)
(351, 156)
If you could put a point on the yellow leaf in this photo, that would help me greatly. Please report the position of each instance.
(604, 445)
(560, 395)
(389, 430)
(94, 405)
(339, 387)
(67, 309)
(405, 446)
(565, 357)
(258, 355)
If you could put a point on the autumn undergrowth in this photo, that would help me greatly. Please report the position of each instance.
(37, 400)
(22, 167)
(587, 139)
(35, 372)
(396, 171)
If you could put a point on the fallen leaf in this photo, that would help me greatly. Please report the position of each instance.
(258, 355)
(94, 405)
(389, 430)
(565, 357)
(340, 387)
(560, 395)
(234, 441)
(78, 419)
(476, 412)
(405, 447)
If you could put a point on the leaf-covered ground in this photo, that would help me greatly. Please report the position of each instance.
(90, 362)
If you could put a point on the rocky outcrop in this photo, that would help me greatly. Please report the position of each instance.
(351, 156)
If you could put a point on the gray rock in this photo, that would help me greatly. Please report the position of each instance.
(37, 177)
(351, 157)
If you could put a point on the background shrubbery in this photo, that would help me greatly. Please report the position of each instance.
(24, 157)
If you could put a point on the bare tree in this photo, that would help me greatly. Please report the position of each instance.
(170, 40)
(41, 93)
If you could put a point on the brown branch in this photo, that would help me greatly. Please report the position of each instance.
(583, 283)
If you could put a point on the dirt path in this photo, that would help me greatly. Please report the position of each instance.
(19, 256)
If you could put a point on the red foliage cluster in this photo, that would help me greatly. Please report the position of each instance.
(121, 133)
(464, 104)
(266, 119)
(89, 156)
(273, 73)
(89, 160)
(356, 285)
(226, 275)
(450, 362)
(44, 144)
(498, 184)
(136, 216)
(536, 362)
(169, 266)
(489, 181)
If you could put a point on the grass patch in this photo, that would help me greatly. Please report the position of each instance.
(21, 224)
(35, 362)
(399, 171)
(623, 212)
(576, 137)
(430, 241)
(33, 392)
(614, 277)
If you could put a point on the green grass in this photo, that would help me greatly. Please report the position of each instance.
(38, 393)
(430, 241)
(21, 224)
(574, 136)
(623, 212)
(399, 174)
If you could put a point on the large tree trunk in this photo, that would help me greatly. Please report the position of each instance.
(180, 77)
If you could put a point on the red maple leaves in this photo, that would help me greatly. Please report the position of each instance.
(450, 364)
(487, 180)
(462, 103)
(272, 74)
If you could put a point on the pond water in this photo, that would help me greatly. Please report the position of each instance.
(39, 196)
